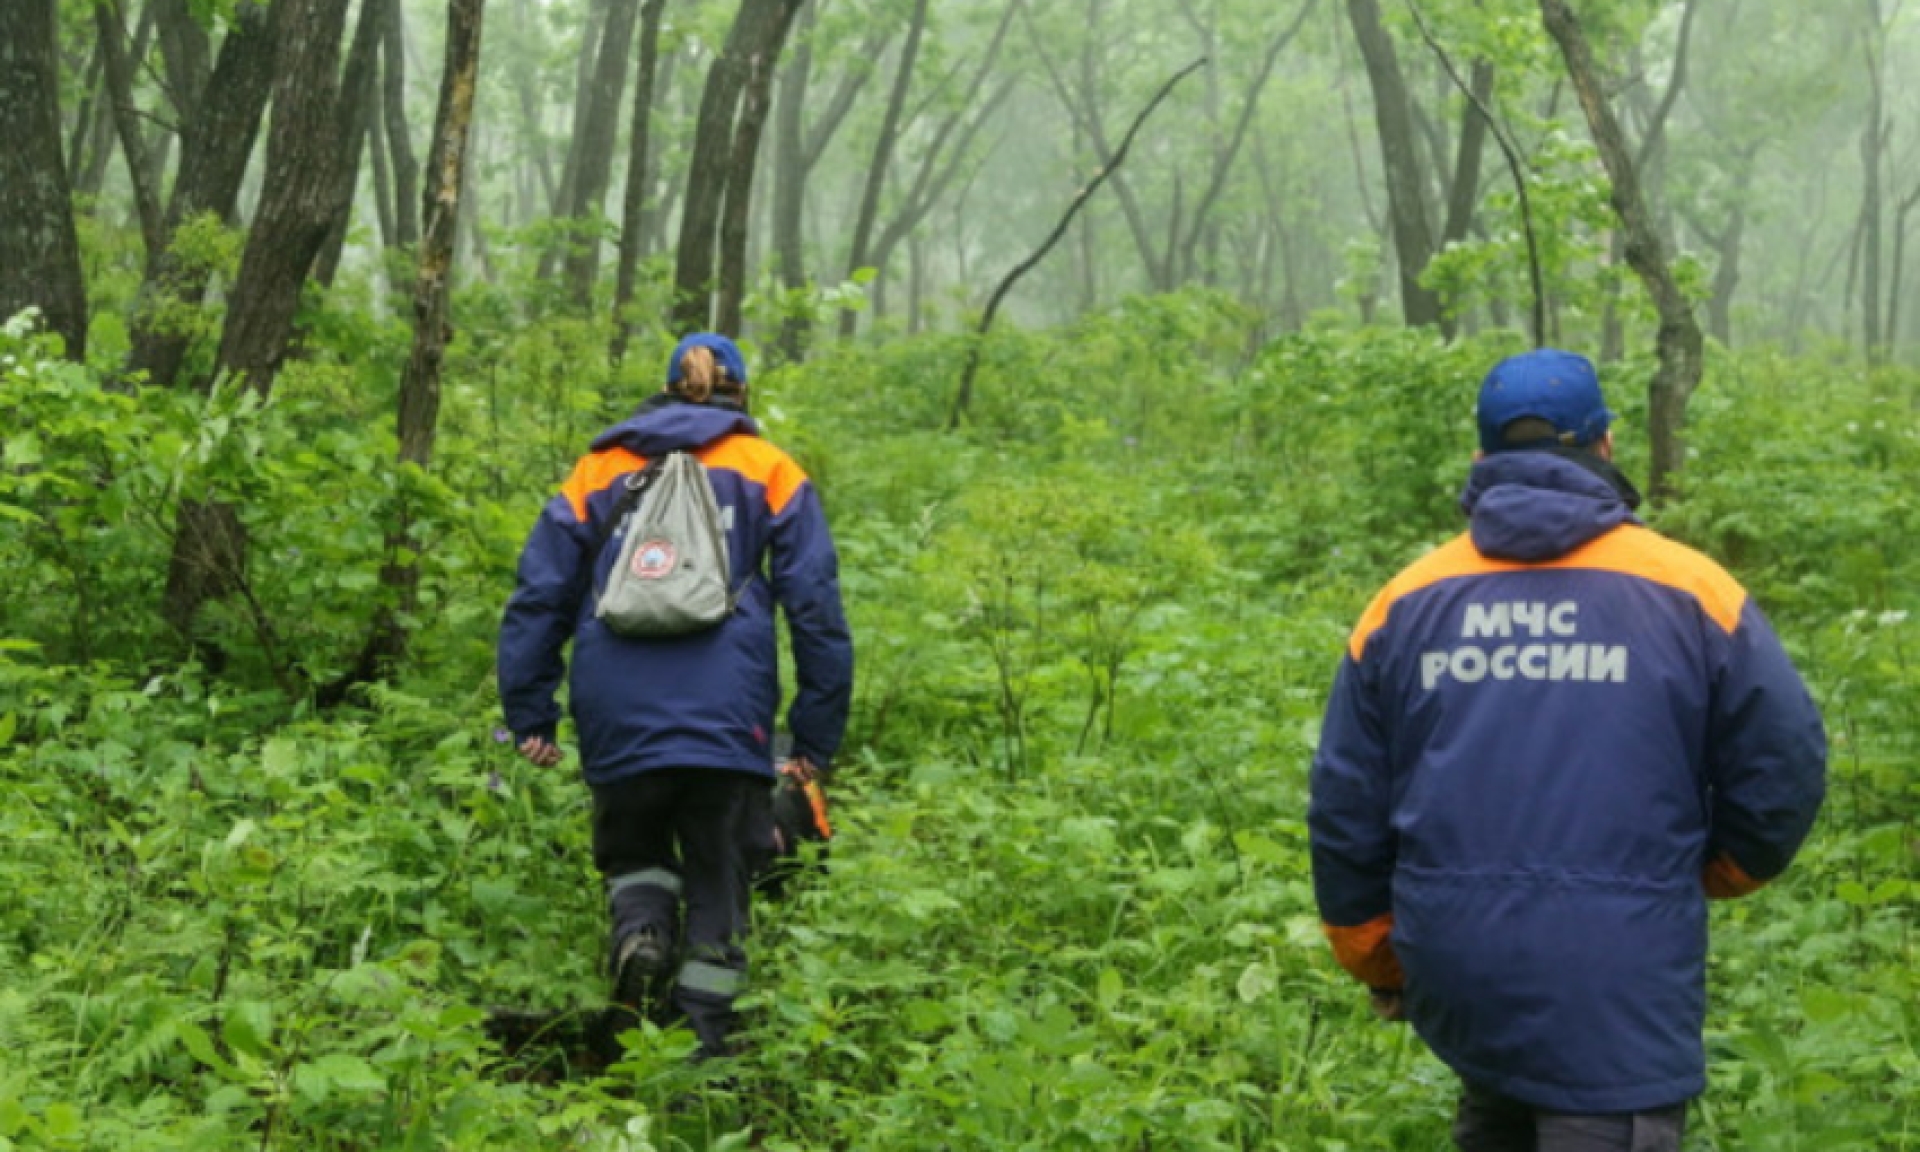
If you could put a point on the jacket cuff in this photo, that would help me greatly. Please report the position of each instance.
(548, 732)
(1366, 952)
(1723, 879)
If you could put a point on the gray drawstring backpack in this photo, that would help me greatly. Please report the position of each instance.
(671, 574)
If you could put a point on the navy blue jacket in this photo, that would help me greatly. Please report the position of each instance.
(707, 699)
(1549, 742)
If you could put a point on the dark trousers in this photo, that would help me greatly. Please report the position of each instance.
(674, 839)
(1490, 1122)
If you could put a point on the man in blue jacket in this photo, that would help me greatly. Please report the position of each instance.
(1550, 741)
(676, 732)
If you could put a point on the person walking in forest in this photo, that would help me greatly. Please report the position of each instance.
(1550, 741)
(676, 731)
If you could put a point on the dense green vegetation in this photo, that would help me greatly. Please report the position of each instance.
(1068, 907)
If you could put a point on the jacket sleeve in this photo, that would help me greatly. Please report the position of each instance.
(1350, 830)
(555, 568)
(805, 574)
(1766, 761)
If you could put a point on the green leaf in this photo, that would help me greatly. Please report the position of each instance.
(1257, 847)
(336, 1072)
(280, 758)
(22, 451)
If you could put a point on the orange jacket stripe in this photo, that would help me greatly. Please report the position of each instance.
(1365, 951)
(1725, 880)
(760, 462)
(594, 473)
(750, 456)
(1629, 549)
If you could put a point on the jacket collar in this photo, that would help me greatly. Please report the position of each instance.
(665, 423)
(1534, 505)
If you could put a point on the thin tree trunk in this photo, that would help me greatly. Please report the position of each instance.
(882, 158)
(215, 147)
(945, 153)
(39, 248)
(592, 162)
(1406, 199)
(358, 104)
(419, 408)
(1873, 147)
(1679, 343)
(399, 138)
(758, 24)
(382, 182)
(1463, 191)
(639, 188)
(87, 115)
(126, 119)
(1224, 158)
(184, 46)
(752, 120)
(658, 211)
(790, 187)
(582, 99)
(1900, 215)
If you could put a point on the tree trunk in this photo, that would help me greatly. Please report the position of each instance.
(215, 147)
(790, 188)
(1900, 215)
(759, 25)
(382, 182)
(592, 162)
(752, 120)
(1679, 343)
(590, 38)
(1873, 148)
(296, 197)
(39, 248)
(633, 206)
(126, 119)
(357, 106)
(1463, 191)
(92, 101)
(419, 410)
(406, 169)
(296, 194)
(1406, 198)
(184, 45)
(882, 158)
(1225, 156)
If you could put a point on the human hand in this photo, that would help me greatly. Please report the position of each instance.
(800, 770)
(1388, 1006)
(540, 751)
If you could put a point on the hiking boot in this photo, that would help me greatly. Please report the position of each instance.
(639, 965)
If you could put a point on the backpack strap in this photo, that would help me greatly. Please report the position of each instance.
(635, 488)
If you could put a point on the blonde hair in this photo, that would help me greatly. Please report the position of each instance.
(701, 376)
(698, 371)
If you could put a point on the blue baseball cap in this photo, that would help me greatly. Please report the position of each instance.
(1546, 384)
(725, 353)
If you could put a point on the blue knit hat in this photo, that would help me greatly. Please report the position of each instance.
(1546, 384)
(725, 353)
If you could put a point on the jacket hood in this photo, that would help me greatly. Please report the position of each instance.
(667, 424)
(1539, 505)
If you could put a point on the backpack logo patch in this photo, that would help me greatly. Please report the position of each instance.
(654, 559)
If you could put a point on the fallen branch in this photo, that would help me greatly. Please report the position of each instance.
(964, 397)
